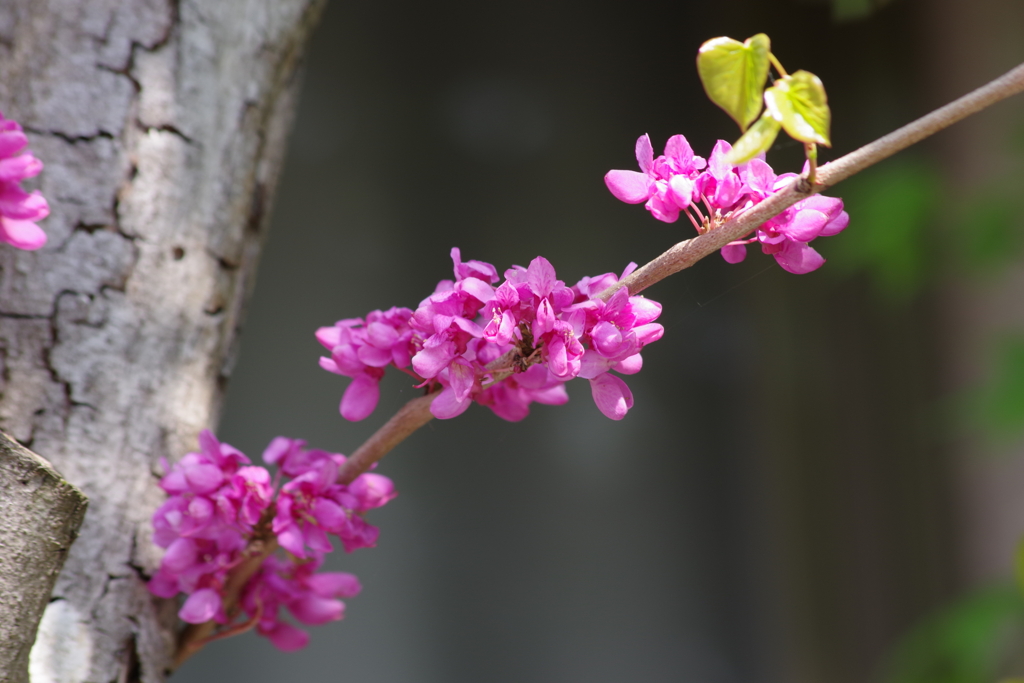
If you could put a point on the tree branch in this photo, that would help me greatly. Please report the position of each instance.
(416, 412)
(407, 420)
(686, 253)
(40, 514)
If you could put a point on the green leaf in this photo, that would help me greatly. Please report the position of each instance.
(966, 642)
(758, 138)
(734, 74)
(1000, 403)
(1019, 566)
(799, 103)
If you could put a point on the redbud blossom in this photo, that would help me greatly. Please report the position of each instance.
(548, 327)
(19, 210)
(673, 183)
(219, 503)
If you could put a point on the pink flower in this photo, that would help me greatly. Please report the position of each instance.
(209, 520)
(786, 236)
(666, 184)
(19, 210)
(305, 512)
(721, 183)
(362, 350)
(201, 606)
(311, 598)
(674, 182)
(313, 505)
(467, 324)
(510, 400)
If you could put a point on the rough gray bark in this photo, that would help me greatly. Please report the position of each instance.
(162, 127)
(40, 514)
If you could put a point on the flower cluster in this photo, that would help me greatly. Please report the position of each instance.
(218, 503)
(19, 210)
(677, 181)
(311, 597)
(504, 346)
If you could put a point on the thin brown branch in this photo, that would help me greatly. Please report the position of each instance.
(685, 254)
(416, 412)
(407, 420)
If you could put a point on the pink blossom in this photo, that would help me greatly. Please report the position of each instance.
(311, 598)
(313, 505)
(721, 184)
(306, 513)
(19, 210)
(674, 182)
(467, 324)
(201, 606)
(511, 399)
(612, 396)
(361, 350)
(214, 508)
(666, 184)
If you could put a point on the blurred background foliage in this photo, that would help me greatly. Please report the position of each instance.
(805, 490)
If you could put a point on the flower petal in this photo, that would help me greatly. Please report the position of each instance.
(23, 206)
(360, 398)
(16, 169)
(630, 365)
(734, 252)
(334, 585)
(373, 356)
(200, 607)
(21, 234)
(447, 406)
(329, 336)
(286, 637)
(798, 258)
(315, 610)
(834, 226)
(644, 153)
(612, 396)
(629, 186)
(681, 190)
(805, 226)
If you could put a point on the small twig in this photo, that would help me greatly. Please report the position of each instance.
(407, 420)
(416, 413)
(235, 629)
(811, 152)
(685, 254)
(777, 64)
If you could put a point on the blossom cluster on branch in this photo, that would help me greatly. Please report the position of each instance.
(19, 210)
(679, 181)
(504, 346)
(219, 504)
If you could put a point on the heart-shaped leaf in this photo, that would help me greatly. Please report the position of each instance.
(799, 103)
(734, 74)
(758, 138)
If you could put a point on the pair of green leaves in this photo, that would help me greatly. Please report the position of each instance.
(734, 76)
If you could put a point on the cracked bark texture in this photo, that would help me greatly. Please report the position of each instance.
(162, 126)
(40, 514)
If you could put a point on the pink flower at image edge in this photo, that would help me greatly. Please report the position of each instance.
(19, 210)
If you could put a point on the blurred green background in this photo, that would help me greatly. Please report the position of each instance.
(822, 477)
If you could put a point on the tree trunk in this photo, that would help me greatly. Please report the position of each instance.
(162, 126)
